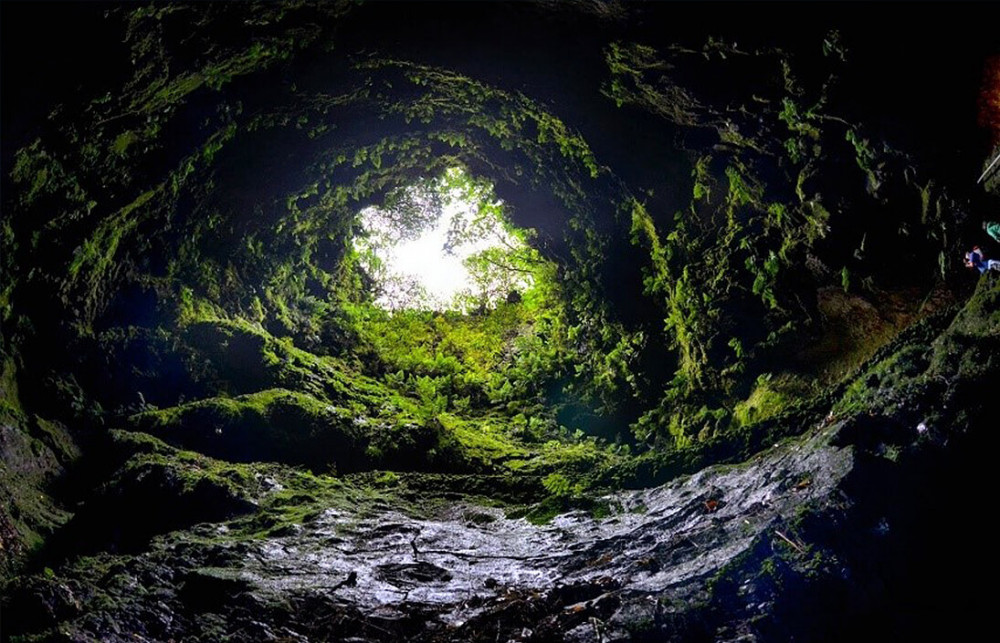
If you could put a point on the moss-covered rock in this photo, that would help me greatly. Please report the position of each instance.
(34, 456)
(274, 425)
(156, 494)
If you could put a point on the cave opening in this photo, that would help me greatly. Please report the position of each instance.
(321, 322)
(462, 319)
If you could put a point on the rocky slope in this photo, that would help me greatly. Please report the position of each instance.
(816, 538)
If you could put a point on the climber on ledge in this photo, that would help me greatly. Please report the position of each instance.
(975, 259)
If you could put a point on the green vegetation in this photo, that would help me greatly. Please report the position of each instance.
(35, 453)
(770, 397)
(212, 374)
(273, 424)
(427, 227)
(226, 297)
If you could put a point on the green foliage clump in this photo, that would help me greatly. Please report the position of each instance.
(557, 484)
(734, 272)
(8, 250)
(459, 356)
(770, 397)
(866, 159)
(276, 424)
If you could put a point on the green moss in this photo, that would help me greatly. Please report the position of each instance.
(561, 502)
(393, 426)
(894, 371)
(94, 260)
(99, 250)
(34, 455)
(770, 397)
(249, 358)
(966, 347)
(297, 497)
(275, 329)
(10, 404)
(799, 121)
(262, 499)
(387, 479)
(186, 476)
(557, 484)
(484, 439)
(129, 443)
(123, 141)
(545, 511)
(8, 250)
(57, 439)
(275, 424)
(41, 177)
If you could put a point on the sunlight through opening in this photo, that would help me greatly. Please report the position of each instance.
(444, 244)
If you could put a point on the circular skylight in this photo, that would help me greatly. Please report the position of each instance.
(443, 244)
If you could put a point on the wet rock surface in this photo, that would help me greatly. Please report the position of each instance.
(667, 540)
(392, 576)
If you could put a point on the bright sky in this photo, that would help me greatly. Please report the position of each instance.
(424, 260)
(440, 273)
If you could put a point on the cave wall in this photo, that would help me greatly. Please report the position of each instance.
(707, 190)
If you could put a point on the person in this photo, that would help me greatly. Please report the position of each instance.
(993, 229)
(975, 259)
